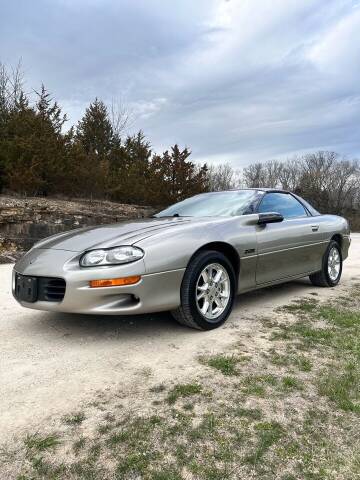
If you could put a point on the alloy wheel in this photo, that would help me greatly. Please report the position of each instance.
(213, 291)
(334, 264)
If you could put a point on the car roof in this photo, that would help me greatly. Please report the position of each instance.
(260, 189)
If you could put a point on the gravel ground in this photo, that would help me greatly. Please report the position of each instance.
(49, 363)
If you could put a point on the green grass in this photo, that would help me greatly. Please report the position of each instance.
(343, 318)
(257, 385)
(41, 443)
(297, 361)
(226, 364)
(79, 445)
(135, 463)
(310, 335)
(167, 474)
(208, 426)
(301, 306)
(183, 390)
(74, 419)
(291, 383)
(342, 386)
(267, 434)
(303, 363)
(339, 341)
(248, 413)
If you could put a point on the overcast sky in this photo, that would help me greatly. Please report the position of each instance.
(235, 81)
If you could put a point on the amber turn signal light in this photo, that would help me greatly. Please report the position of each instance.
(115, 282)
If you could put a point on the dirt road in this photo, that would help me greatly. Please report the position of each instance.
(49, 363)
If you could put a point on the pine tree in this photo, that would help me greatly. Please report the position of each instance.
(34, 147)
(174, 177)
(50, 112)
(37, 157)
(22, 164)
(94, 130)
(130, 171)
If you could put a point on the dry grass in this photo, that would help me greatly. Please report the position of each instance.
(289, 411)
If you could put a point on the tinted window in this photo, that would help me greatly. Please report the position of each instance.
(283, 203)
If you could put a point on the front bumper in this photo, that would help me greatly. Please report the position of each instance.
(155, 292)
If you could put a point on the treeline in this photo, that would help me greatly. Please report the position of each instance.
(93, 159)
(96, 159)
(327, 181)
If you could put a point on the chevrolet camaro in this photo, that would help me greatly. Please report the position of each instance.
(191, 258)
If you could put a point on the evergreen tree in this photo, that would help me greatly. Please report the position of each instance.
(50, 112)
(34, 147)
(37, 157)
(175, 178)
(130, 169)
(94, 130)
(21, 163)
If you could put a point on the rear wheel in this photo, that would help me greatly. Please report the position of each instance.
(330, 274)
(207, 291)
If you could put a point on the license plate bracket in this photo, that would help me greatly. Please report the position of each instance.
(26, 288)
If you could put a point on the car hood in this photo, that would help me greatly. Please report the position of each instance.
(107, 236)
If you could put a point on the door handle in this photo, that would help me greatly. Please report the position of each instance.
(314, 228)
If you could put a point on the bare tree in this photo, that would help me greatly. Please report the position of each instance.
(331, 183)
(255, 175)
(16, 81)
(221, 177)
(4, 81)
(343, 184)
(289, 175)
(121, 117)
(273, 169)
(11, 87)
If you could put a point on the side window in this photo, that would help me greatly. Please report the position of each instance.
(283, 203)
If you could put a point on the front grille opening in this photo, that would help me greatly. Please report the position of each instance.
(51, 289)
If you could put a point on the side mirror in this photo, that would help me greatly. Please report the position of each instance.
(271, 217)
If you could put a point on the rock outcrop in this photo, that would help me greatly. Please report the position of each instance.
(24, 221)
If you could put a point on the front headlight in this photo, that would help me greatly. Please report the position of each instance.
(112, 256)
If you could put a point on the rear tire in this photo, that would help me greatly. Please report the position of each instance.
(330, 273)
(207, 291)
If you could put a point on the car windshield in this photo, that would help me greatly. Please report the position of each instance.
(216, 204)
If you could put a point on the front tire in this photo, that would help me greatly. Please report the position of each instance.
(330, 274)
(207, 291)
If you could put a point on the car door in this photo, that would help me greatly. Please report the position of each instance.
(288, 248)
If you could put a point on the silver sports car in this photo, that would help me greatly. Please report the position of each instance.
(191, 259)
